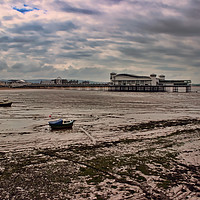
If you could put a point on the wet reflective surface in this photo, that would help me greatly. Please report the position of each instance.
(27, 120)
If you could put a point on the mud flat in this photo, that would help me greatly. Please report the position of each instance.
(147, 146)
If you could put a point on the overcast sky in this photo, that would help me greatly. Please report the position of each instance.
(88, 39)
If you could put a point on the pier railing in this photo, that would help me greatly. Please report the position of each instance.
(111, 88)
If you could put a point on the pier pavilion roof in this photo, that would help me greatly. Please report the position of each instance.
(133, 76)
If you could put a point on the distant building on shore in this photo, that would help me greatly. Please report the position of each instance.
(2, 83)
(152, 80)
(59, 81)
(16, 83)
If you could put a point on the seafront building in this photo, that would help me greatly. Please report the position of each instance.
(58, 81)
(16, 83)
(2, 83)
(120, 82)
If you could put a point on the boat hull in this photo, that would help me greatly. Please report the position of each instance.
(63, 125)
(8, 104)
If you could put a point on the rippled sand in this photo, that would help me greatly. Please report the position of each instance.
(141, 145)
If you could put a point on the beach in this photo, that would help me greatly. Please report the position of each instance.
(123, 145)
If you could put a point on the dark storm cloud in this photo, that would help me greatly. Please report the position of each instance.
(66, 7)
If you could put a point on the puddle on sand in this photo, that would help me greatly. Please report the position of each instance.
(16, 125)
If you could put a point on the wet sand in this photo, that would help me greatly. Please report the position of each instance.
(138, 146)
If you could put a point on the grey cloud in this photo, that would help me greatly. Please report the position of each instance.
(7, 18)
(69, 46)
(185, 25)
(196, 64)
(66, 7)
(172, 51)
(17, 66)
(133, 52)
(171, 26)
(32, 26)
(144, 39)
(34, 45)
(2, 2)
(46, 28)
(4, 47)
(158, 24)
(30, 68)
(159, 54)
(79, 41)
(3, 65)
(144, 4)
(88, 73)
(18, 47)
(66, 26)
(80, 11)
(77, 54)
(20, 67)
(167, 68)
(18, 39)
(192, 10)
(4, 39)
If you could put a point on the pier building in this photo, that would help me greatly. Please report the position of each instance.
(129, 82)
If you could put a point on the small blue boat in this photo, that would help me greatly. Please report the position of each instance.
(61, 124)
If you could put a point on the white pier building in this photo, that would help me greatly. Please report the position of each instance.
(146, 83)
